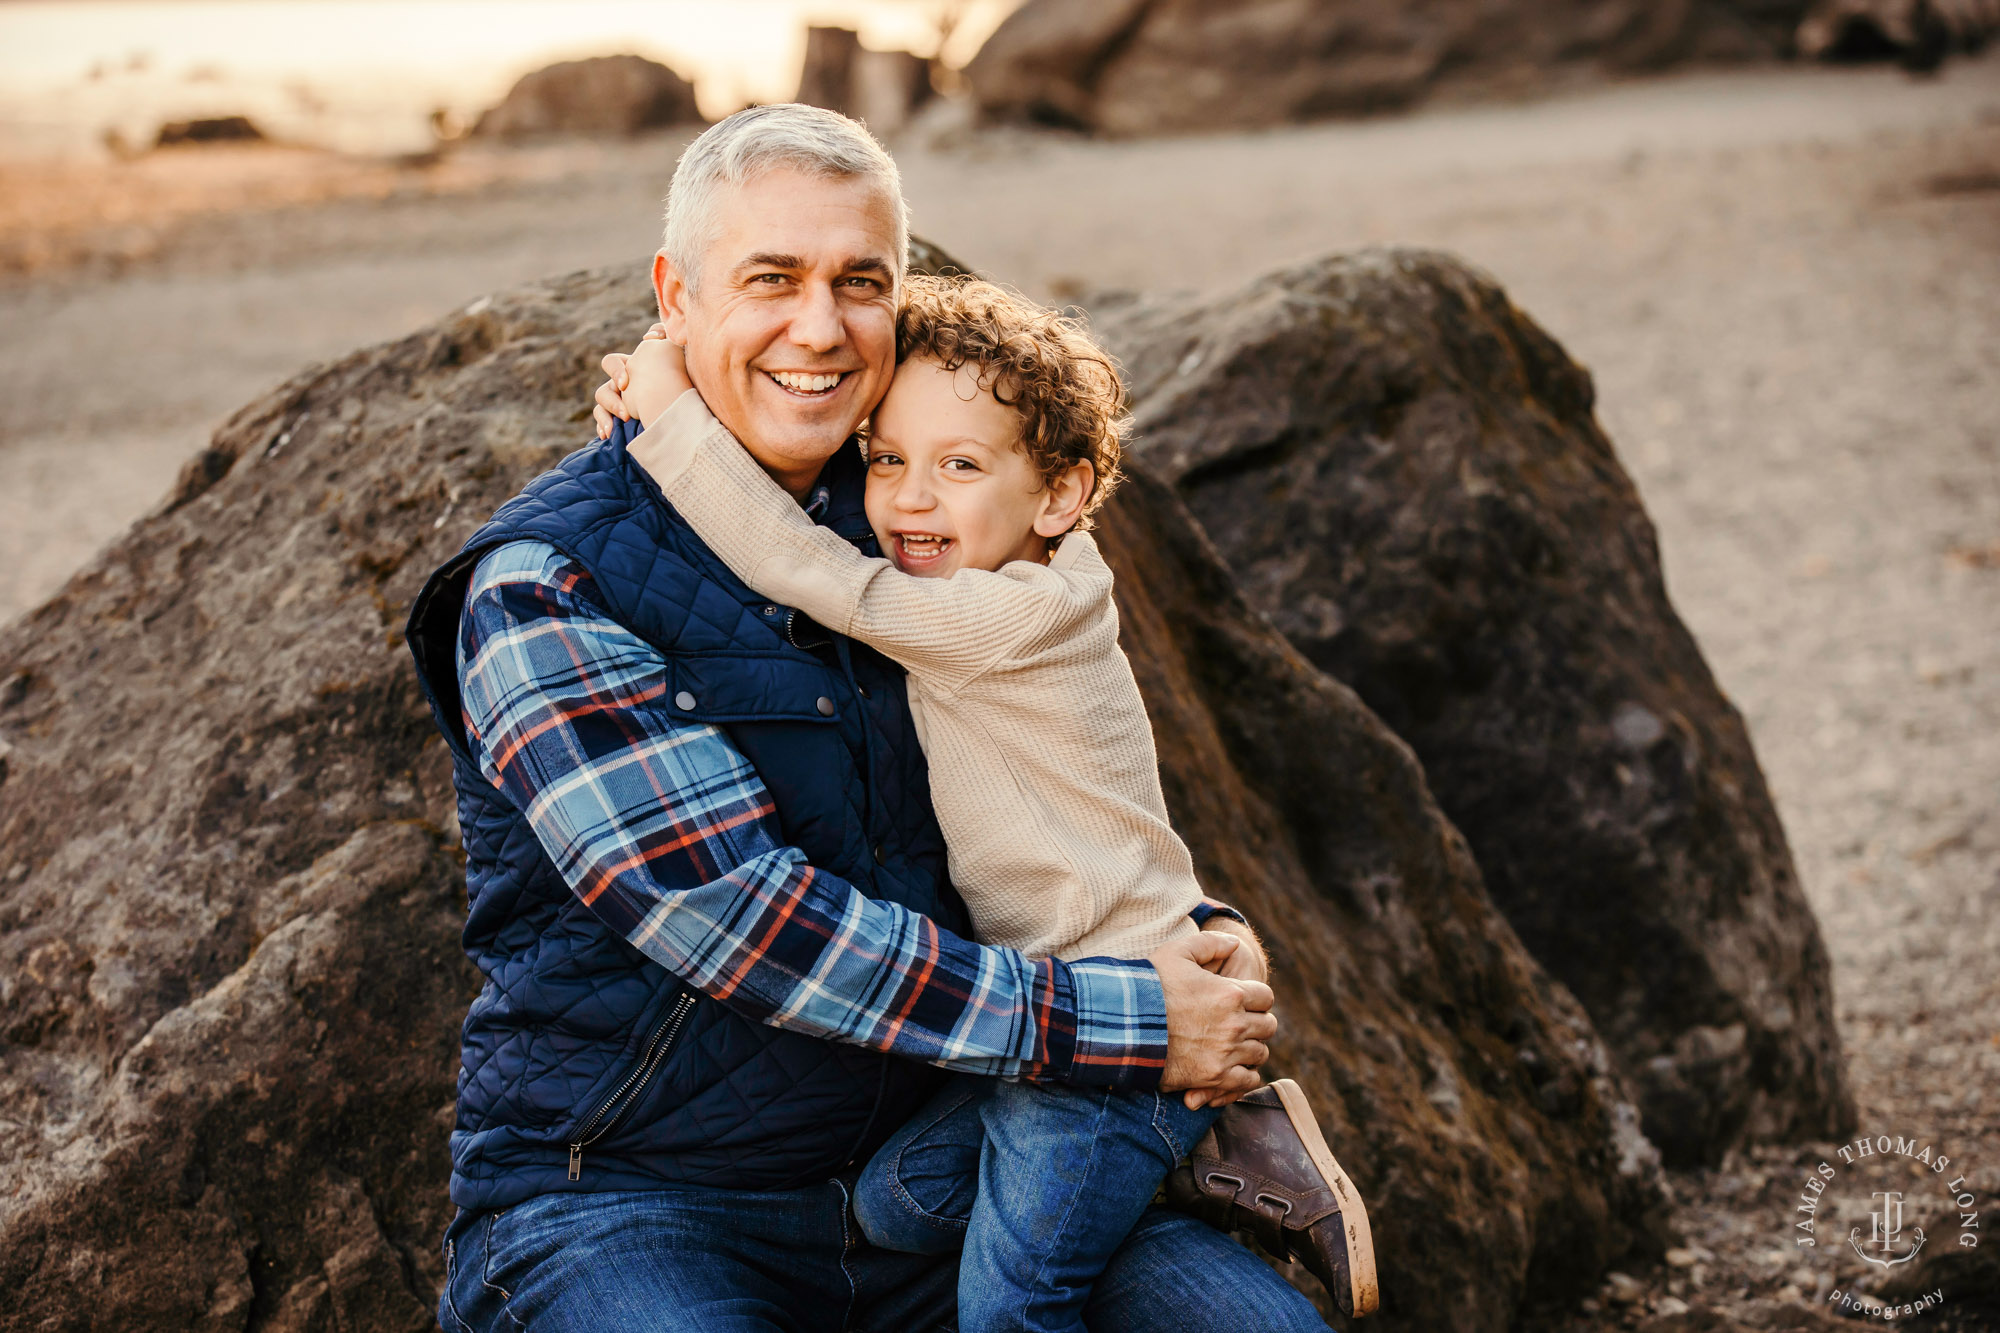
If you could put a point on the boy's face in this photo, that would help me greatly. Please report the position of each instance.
(950, 486)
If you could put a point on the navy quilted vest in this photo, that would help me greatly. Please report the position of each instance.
(584, 1065)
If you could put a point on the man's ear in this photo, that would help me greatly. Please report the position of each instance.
(1064, 497)
(671, 291)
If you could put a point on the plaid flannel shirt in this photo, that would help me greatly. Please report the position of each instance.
(666, 833)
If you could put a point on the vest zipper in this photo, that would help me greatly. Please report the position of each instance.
(606, 1115)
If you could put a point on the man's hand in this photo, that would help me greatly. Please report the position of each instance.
(1246, 962)
(1216, 1027)
(612, 398)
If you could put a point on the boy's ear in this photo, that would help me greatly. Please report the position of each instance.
(1064, 498)
(671, 291)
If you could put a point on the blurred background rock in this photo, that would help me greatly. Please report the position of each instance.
(602, 95)
(1770, 231)
(1134, 67)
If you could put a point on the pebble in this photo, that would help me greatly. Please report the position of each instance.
(1622, 1288)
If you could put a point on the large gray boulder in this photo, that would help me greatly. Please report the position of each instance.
(1406, 475)
(1135, 67)
(230, 892)
(604, 95)
(1480, 1114)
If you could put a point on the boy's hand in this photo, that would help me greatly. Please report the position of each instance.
(643, 383)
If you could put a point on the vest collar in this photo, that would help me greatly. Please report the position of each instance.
(836, 500)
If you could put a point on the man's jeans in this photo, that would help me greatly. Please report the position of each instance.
(1039, 1184)
(732, 1261)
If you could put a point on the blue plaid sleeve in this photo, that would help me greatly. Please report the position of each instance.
(667, 834)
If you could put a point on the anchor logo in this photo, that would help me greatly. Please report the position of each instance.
(1888, 1225)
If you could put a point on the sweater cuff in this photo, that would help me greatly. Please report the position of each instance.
(1121, 1025)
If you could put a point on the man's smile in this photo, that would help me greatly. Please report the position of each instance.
(808, 383)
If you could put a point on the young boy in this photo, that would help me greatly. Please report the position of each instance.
(998, 438)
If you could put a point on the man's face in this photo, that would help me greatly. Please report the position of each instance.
(791, 332)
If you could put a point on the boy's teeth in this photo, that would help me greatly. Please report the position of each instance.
(804, 383)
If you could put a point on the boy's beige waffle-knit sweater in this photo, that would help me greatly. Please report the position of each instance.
(1041, 758)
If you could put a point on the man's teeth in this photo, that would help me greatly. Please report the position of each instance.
(804, 383)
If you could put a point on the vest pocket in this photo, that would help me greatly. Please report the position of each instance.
(752, 687)
(652, 1057)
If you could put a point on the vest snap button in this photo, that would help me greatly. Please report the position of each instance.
(881, 857)
(770, 610)
(825, 706)
(684, 701)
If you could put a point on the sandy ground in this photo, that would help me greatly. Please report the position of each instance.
(1787, 284)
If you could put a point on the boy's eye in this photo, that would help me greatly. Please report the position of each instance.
(883, 460)
(961, 465)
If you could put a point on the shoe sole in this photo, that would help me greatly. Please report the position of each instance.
(1353, 1213)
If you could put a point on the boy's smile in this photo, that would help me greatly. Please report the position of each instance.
(950, 486)
(918, 550)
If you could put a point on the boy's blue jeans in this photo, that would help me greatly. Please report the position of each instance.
(1039, 1183)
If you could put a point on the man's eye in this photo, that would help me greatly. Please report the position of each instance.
(868, 283)
(769, 279)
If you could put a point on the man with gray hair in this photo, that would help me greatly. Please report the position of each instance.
(723, 960)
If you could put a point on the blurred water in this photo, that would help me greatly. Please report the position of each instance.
(366, 75)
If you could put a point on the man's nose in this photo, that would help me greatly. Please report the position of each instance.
(816, 323)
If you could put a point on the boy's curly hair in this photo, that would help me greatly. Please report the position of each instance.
(1038, 361)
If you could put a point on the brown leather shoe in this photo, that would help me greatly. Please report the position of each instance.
(1265, 1168)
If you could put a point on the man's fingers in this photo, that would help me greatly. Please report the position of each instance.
(1250, 1054)
(1222, 1099)
(1204, 947)
(1256, 995)
(1234, 1084)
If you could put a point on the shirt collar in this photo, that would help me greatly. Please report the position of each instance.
(837, 499)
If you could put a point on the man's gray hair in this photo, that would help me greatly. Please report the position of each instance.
(786, 134)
